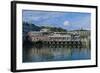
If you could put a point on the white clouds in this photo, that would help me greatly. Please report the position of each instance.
(44, 16)
(35, 18)
(29, 15)
(66, 23)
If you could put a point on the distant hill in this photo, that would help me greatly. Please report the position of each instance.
(54, 29)
(33, 27)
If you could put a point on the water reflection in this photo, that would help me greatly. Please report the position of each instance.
(55, 53)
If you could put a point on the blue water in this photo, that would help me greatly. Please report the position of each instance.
(55, 53)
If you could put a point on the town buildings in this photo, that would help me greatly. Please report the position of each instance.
(46, 35)
(35, 36)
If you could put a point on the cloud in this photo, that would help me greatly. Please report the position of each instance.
(39, 15)
(35, 18)
(66, 23)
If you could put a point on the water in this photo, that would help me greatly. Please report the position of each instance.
(55, 53)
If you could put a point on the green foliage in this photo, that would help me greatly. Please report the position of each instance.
(54, 29)
(33, 27)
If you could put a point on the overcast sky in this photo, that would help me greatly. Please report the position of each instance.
(66, 20)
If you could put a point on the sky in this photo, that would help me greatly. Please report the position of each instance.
(65, 20)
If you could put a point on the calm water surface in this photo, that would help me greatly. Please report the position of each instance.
(55, 53)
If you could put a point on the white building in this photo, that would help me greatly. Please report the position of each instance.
(52, 36)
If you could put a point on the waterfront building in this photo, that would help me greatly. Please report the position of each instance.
(52, 36)
(37, 36)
